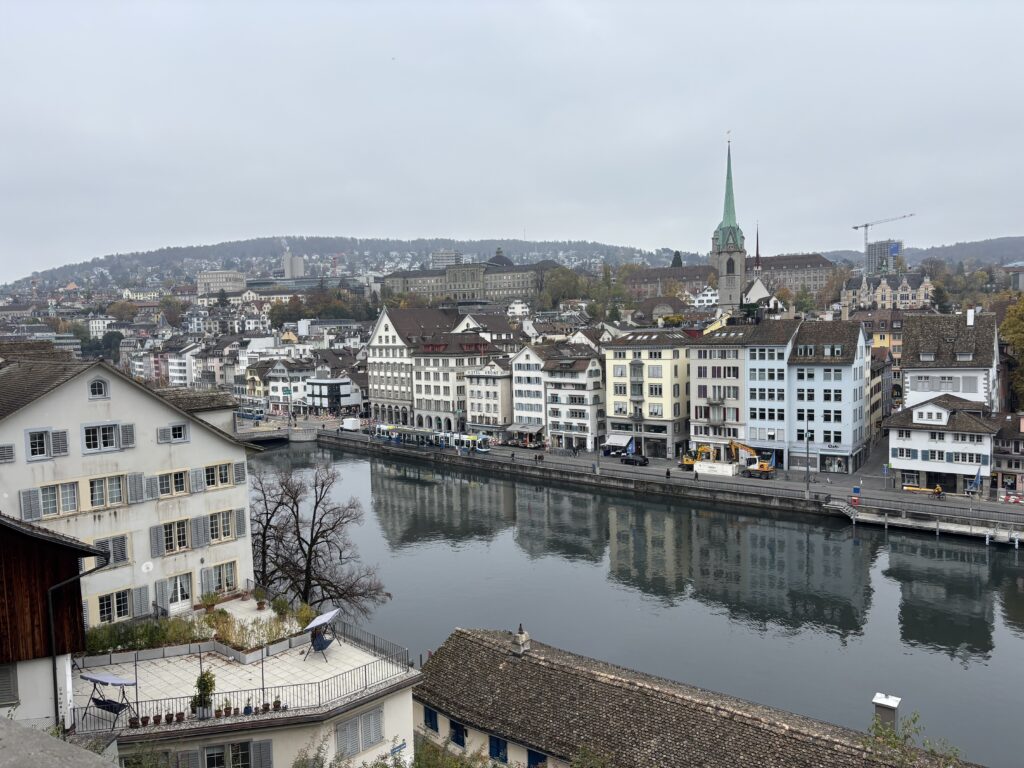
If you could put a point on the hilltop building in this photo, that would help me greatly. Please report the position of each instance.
(215, 281)
(496, 280)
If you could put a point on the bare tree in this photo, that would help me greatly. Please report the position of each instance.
(301, 543)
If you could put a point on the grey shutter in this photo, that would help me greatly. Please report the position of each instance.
(156, 541)
(103, 544)
(136, 488)
(239, 472)
(348, 738)
(189, 759)
(119, 549)
(984, 459)
(163, 434)
(894, 452)
(7, 454)
(197, 480)
(913, 453)
(372, 727)
(240, 520)
(31, 504)
(263, 754)
(85, 614)
(205, 581)
(8, 684)
(949, 456)
(59, 442)
(127, 435)
(152, 488)
(163, 594)
(200, 531)
(140, 601)
(81, 564)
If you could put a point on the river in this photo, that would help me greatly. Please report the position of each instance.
(802, 613)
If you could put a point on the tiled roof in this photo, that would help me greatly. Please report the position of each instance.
(944, 336)
(767, 333)
(24, 381)
(196, 400)
(914, 280)
(820, 333)
(46, 534)
(32, 350)
(964, 416)
(453, 344)
(679, 274)
(791, 261)
(410, 324)
(655, 337)
(558, 703)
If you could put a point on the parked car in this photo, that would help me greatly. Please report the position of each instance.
(636, 459)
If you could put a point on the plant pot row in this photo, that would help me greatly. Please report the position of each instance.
(170, 717)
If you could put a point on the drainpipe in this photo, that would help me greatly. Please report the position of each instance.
(53, 637)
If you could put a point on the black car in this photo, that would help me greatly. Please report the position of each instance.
(636, 459)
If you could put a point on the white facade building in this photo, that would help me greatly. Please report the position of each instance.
(91, 454)
(489, 398)
(98, 326)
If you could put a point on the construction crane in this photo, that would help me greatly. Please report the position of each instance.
(869, 224)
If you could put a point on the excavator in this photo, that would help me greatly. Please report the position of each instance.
(703, 453)
(754, 466)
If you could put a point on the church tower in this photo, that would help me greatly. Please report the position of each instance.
(727, 253)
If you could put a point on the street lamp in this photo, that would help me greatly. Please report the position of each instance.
(807, 456)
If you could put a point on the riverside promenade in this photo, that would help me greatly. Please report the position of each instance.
(955, 515)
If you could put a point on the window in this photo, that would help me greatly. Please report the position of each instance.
(457, 734)
(220, 526)
(115, 606)
(106, 491)
(654, 371)
(535, 759)
(224, 577)
(656, 410)
(97, 389)
(498, 749)
(430, 719)
(101, 438)
(176, 536)
(38, 444)
(654, 390)
(172, 483)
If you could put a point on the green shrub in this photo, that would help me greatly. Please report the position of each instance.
(305, 614)
(280, 606)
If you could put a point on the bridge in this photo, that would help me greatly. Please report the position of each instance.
(277, 434)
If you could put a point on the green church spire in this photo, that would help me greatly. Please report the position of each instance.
(728, 236)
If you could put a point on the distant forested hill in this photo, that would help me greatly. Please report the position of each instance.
(999, 250)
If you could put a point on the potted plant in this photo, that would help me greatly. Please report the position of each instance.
(246, 594)
(157, 718)
(226, 706)
(133, 722)
(145, 720)
(248, 706)
(266, 706)
(169, 717)
(203, 699)
(261, 598)
(280, 606)
(209, 601)
(218, 713)
(179, 717)
(277, 703)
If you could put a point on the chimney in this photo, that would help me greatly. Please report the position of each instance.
(521, 642)
(845, 312)
(887, 710)
(970, 317)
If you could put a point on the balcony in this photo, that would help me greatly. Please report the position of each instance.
(636, 416)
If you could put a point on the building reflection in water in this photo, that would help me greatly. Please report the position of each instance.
(763, 570)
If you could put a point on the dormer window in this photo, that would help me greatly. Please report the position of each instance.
(927, 357)
(964, 357)
(98, 389)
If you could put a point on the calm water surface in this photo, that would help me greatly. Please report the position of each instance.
(796, 612)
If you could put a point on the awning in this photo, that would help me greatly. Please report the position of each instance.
(617, 441)
(527, 429)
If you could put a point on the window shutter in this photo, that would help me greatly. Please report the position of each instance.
(136, 488)
(949, 456)
(197, 480)
(893, 452)
(263, 754)
(59, 442)
(189, 759)
(984, 460)
(163, 434)
(85, 614)
(913, 453)
(200, 531)
(7, 454)
(205, 580)
(348, 738)
(156, 541)
(152, 488)
(372, 726)
(103, 544)
(8, 684)
(127, 435)
(31, 504)
(163, 593)
(240, 521)
(239, 471)
(81, 564)
(119, 548)
(140, 601)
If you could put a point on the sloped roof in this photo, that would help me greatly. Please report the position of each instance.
(197, 400)
(655, 337)
(453, 344)
(820, 333)
(38, 532)
(963, 416)
(558, 702)
(25, 381)
(791, 261)
(945, 336)
(767, 332)
(415, 322)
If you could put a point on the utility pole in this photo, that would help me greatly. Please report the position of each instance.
(807, 456)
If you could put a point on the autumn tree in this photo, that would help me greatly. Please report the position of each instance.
(123, 311)
(301, 542)
(1012, 332)
(173, 308)
(804, 300)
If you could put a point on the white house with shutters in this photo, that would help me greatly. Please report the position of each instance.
(88, 452)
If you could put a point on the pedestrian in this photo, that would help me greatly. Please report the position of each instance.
(513, 457)
(668, 474)
(695, 475)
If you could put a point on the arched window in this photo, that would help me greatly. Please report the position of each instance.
(98, 389)
(730, 267)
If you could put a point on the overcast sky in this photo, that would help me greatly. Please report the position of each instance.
(130, 126)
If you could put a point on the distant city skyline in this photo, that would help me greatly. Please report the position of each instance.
(131, 128)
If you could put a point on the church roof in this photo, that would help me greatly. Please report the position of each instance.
(728, 236)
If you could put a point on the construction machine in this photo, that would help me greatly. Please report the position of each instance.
(691, 457)
(754, 465)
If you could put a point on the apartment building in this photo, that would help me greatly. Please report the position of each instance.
(439, 366)
(647, 391)
(574, 398)
(829, 395)
(885, 329)
(489, 398)
(954, 354)
(89, 453)
(214, 281)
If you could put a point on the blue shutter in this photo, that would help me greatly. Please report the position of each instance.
(949, 456)
(984, 459)
(893, 452)
(913, 453)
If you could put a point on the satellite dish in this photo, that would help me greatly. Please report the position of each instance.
(147, 566)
